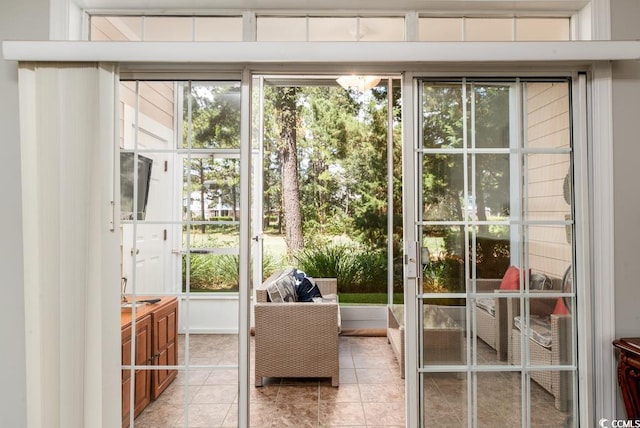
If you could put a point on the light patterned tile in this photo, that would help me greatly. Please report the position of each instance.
(348, 393)
(381, 393)
(337, 414)
(384, 413)
(295, 415)
(204, 415)
(383, 375)
(216, 394)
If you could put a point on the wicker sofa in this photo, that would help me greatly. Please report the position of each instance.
(297, 339)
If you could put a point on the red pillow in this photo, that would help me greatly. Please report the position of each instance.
(511, 279)
(561, 308)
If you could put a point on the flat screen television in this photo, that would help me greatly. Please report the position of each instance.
(126, 186)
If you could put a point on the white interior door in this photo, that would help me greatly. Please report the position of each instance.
(151, 253)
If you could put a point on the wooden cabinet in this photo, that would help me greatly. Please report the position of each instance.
(629, 374)
(165, 349)
(156, 344)
(142, 377)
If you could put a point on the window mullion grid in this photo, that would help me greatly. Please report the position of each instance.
(187, 290)
(467, 137)
(390, 191)
(524, 253)
(134, 295)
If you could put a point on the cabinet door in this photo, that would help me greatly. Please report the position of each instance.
(165, 350)
(142, 377)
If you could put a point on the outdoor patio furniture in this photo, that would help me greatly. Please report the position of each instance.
(549, 344)
(443, 340)
(491, 317)
(297, 339)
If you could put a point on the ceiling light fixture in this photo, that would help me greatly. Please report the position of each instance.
(359, 83)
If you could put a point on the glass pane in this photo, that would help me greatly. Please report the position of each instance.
(490, 200)
(499, 399)
(154, 126)
(444, 326)
(490, 253)
(548, 187)
(445, 399)
(543, 337)
(549, 250)
(381, 29)
(492, 324)
(209, 272)
(218, 29)
(547, 115)
(213, 118)
(442, 107)
(214, 189)
(542, 29)
(488, 29)
(444, 270)
(269, 29)
(552, 406)
(152, 258)
(168, 29)
(440, 29)
(443, 187)
(491, 109)
(167, 409)
(332, 29)
(209, 236)
(117, 28)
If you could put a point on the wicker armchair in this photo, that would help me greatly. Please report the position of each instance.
(492, 325)
(297, 339)
(557, 352)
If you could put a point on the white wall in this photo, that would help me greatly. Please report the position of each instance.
(625, 17)
(27, 19)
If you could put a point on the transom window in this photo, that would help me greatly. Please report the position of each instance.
(301, 28)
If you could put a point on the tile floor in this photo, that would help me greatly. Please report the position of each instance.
(371, 393)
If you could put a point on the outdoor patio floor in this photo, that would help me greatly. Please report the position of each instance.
(371, 393)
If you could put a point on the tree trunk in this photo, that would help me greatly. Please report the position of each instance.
(287, 111)
(202, 193)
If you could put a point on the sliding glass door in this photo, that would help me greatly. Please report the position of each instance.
(181, 215)
(495, 337)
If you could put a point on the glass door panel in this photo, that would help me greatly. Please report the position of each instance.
(496, 336)
(180, 225)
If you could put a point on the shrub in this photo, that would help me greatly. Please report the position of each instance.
(356, 269)
(209, 272)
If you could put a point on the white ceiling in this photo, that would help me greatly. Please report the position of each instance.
(335, 6)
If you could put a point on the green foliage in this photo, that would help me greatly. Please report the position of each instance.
(210, 273)
(217, 272)
(342, 157)
(356, 269)
(446, 271)
(443, 179)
